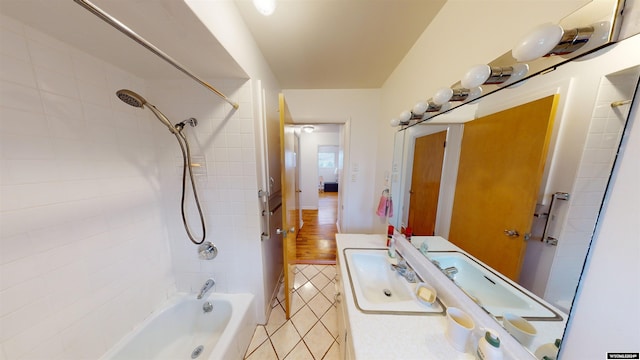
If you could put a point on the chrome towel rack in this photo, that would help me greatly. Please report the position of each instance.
(550, 240)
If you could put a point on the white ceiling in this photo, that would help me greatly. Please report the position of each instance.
(309, 44)
(347, 44)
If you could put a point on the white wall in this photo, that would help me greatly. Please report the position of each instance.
(224, 143)
(84, 252)
(361, 109)
(225, 23)
(605, 314)
(309, 172)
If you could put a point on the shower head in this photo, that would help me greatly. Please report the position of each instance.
(131, 98)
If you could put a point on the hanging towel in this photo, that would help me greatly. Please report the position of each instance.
(385, 206)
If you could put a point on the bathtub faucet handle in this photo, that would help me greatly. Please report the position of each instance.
(206, 287)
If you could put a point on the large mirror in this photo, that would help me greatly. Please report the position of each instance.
(587, 103)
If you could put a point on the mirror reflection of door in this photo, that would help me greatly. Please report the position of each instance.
(290, 200)
(425, 183)
(501, 165)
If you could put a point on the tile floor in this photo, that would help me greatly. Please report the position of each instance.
(312, 330)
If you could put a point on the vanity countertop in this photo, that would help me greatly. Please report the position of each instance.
(391, 336)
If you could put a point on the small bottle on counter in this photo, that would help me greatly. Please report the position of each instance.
(407, 233)
(489, 346)
(390, 230)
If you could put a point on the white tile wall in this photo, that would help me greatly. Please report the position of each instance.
(84, 252)
(228, 187)
(603, 139)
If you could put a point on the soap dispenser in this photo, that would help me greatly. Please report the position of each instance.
(489, 346)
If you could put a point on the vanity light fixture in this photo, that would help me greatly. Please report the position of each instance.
(265, 7)
(551, 39)
(485, 74)
(444, 95)
(308, 128)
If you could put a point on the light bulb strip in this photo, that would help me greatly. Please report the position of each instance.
(572, 40)
(460, 94)
(499, 75)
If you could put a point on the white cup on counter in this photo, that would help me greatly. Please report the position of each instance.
(459, 327)
(520, 328)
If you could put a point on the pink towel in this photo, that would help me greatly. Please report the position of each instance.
(382, 205)
(385, 206)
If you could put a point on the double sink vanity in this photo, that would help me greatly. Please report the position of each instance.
(380, 316)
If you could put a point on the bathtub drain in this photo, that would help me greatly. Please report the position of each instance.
(197, 351)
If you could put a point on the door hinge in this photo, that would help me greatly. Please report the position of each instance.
(264, 236)
(262, 193)
(527, 236)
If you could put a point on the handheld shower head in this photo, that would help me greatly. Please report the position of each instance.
(131, 98)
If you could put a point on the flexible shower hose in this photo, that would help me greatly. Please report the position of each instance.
(186, 166)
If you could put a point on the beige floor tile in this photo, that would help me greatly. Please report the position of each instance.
(320, 280)
(276, 319)
(300, 352)
(259, 336)
(307, 291)
(330, 321)
(319, 304)
(296, 303)
(329, 291)
(285, 339)
(318, 340)
(304, 320)
(264, 352)
(333, 353)
(299, 280)
(329, 271)
(310, 271)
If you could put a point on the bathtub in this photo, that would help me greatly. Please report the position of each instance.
(183, 330)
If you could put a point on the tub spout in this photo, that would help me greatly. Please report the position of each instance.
(206, 287)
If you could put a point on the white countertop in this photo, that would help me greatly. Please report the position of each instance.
(387, 336)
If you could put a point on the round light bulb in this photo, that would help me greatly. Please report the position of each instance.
(476, 76)
(420, 107)
(442, 96)
(538, 43)
(394, 122)
(404, 116)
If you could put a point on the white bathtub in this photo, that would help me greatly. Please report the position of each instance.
(180, 327)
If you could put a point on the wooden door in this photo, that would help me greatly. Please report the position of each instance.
(290, 200)
(501, 165)
(425, 183)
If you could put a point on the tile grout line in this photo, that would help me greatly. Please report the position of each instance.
(305, 303)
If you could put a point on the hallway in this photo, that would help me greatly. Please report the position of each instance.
(316, 243)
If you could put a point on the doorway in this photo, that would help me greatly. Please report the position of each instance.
(320, 164)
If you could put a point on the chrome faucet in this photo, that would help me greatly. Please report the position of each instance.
(403, 269)
(206, 287)
(450, 271)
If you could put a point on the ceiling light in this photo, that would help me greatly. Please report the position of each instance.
(308, 129)
(551, 39)
(265, 7)
(420, 108)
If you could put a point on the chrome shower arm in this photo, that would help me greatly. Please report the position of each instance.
(140, 40)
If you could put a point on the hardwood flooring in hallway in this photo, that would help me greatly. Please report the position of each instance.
(316, 242)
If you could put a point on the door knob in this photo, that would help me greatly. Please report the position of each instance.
(292, 230)
(281, 232)
(511, 233)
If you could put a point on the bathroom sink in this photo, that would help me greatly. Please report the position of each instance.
(377, 288)
(490, 290)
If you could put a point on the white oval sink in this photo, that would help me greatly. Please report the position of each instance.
(377, 288)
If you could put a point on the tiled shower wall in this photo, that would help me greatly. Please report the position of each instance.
(605, 132)
(223, 144)
(84, 251)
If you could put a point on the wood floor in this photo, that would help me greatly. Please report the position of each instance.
(316, 242)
